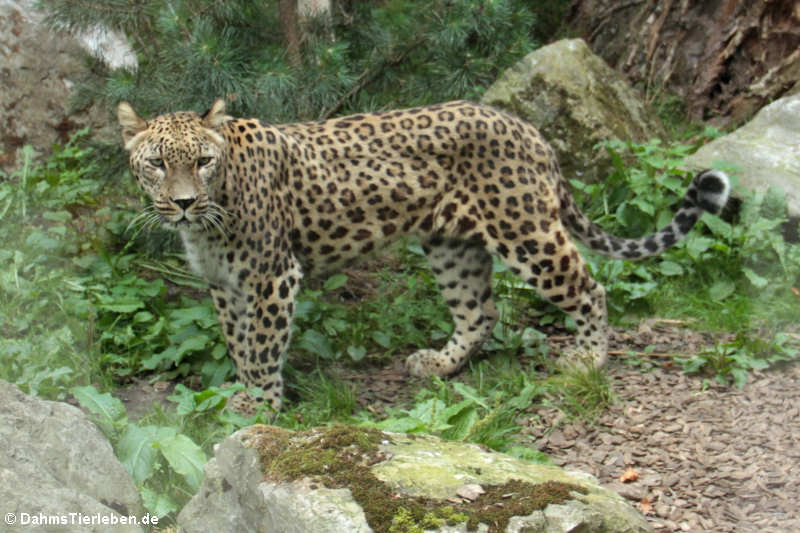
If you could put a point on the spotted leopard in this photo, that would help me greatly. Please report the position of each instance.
(259, 205)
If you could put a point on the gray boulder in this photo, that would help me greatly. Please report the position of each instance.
(764, 152)
(342, 478)
(576, 100)
(39, 67)
(58, 472)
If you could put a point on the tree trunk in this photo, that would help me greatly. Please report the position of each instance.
(287, 11)
(725, 58)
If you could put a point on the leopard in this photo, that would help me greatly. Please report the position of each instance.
(258, 206)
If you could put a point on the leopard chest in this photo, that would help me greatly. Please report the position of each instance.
(210, 260)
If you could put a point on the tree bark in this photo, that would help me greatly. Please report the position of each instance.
(725, 58)
(287, 12)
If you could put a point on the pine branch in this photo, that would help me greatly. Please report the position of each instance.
(369, 75)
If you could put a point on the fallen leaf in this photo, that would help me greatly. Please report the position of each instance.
(796, 291)
(470, 492)
(629, 475)
(645, 506)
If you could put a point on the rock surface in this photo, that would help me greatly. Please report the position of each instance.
(54, 462)
(763, 152)
(37, 70)
(236, 495)
(576, 100)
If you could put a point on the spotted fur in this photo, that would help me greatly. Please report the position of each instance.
(257, 205)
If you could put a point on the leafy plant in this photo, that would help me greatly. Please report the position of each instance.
(331, 330)
(42, 318)
(458, 411)
(141, 330)
(147, 452)
(732, 362)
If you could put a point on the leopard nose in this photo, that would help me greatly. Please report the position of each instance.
(184, 203)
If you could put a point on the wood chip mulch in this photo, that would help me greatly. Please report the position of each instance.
(693, 458)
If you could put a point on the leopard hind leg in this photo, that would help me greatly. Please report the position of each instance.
(463, 271)
(557, 271)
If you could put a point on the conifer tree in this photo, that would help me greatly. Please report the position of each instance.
(361, 56)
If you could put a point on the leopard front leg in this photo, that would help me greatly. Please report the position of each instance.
(256, 319)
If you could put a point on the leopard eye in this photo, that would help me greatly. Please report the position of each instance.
(156, 162)
(203, 161)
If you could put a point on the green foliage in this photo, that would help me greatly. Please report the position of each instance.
(42, 317)
(143, 331)
(330, 329)
(151, 454)
(732, 276)
(732, 362)
(481, 414)
(639, 199)
(365, 56)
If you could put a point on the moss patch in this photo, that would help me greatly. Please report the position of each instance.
(341, 456)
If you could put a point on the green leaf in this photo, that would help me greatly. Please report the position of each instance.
(470, 394)
(216, 372)
(164, 358)
(382, 338)
(334, 282)
(185, 457)
(525, 397)
(209, 399)
(697, 245)
(356, 353)
(136, 453)
(316, 343)
(757, 281)
(192, 344)
(670, 268)
(644, 205)
(721, 290)
(104, 405)
(717, 226)
(157, 504)
(184, 397)
(119, 304)
(462, 422)
(405, 424)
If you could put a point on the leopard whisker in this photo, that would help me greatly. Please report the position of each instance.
(215, 220)
(143, 219)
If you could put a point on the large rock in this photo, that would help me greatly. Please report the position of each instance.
(56, 467)
(37, 70)
(765, 152)
(576, 100)
(357, 480)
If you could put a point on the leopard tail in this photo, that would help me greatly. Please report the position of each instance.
(708, 191)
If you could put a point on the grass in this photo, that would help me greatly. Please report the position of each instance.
(81, 317)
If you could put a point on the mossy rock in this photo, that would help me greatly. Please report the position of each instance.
(576, 100)
(345, 478)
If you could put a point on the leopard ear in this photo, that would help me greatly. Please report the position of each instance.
(215, 117)
(131, 124)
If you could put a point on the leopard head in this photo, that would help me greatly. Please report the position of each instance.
(178, 160)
